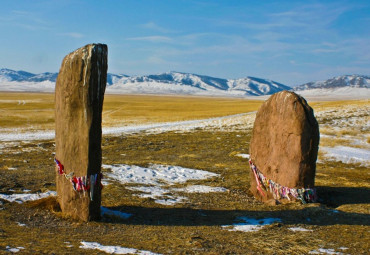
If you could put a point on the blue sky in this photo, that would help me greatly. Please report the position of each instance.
(291, 42)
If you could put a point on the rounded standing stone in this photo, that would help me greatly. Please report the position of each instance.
(284, 144)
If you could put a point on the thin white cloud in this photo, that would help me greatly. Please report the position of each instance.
(155, 60)
(155, 27)
(154, 39)
(73, 35)
(252, 25)
(24, 19)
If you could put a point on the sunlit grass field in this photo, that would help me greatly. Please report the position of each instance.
(35, 111)
(339, 222)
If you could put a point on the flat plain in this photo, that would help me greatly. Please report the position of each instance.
(198, 212)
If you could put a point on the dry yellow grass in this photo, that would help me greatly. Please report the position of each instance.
(36, 110)
(318, 106)
(27, 110)
(135, 109)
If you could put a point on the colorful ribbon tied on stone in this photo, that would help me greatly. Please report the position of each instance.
(278, 191)
(83, 183)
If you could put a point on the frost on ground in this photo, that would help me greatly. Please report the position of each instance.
(155, 179)
(18, 147)
(20, 198)
(246, 224)
(113, 249)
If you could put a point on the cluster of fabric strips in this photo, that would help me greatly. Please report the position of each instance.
(83, 183)
(278, 191)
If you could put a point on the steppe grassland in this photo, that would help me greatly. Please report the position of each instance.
(35, 111)
(192, 227)
(26, 111)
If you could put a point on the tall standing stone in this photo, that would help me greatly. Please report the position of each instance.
(283, 149)
(79, 95)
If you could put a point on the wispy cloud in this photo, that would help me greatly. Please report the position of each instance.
(72, 35)
(310, 14)
(153, 39)
(24, 19)
(155, 27)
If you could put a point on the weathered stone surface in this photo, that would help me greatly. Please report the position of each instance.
(284, 143)
(79, 95)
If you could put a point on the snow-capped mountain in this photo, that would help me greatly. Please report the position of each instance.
(354, 81)
(22, 76)
(165, 83)
(185, 83)
(340, 87)
(256, 86)
(11, 75)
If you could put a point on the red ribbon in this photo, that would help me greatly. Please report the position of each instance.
(257, 180)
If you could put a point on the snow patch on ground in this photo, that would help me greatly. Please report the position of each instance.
(160, 194)
(347, 155)
(200, 189)
(242, 155)
(155, 174)
(299, 229)
(246, 224)
(21, 198)
(155, 179)
(21, 224)
(325, 251)
(14, 250)
(113, 249)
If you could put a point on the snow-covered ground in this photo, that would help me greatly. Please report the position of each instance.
(349, 125)
(20, 198)
(344, 93)
(44, 86)
(347, 155)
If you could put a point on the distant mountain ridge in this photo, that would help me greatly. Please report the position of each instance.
(193, 84)
(354, 81)
(166, 83)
